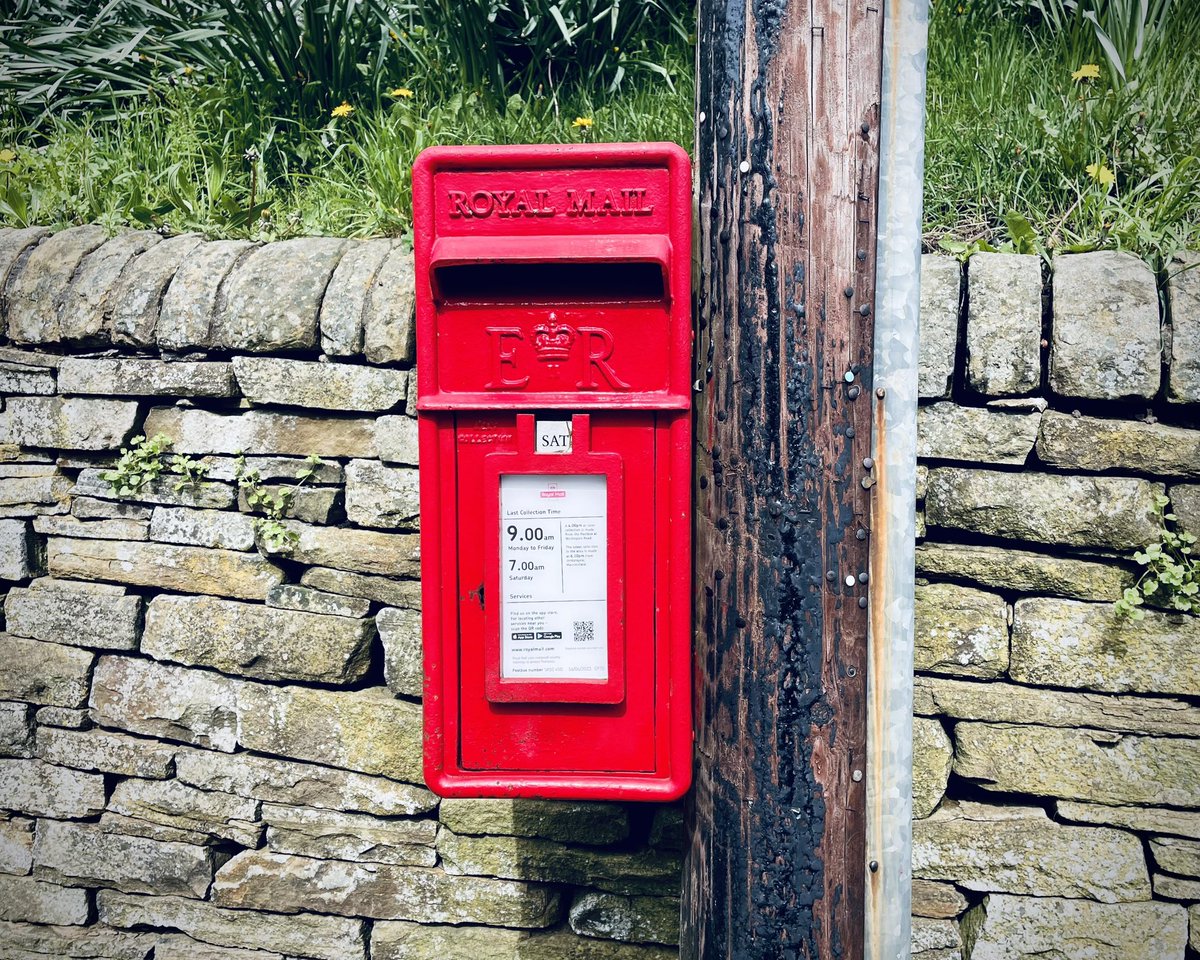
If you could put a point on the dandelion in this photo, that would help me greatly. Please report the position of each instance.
(1089, 71)
(401, 92)
(584, 122)
(1101, 174)
(7, 155)
(343, 109)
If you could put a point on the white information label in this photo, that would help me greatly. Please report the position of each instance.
(554, 577)
(553, 436)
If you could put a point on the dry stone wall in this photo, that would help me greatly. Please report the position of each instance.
(210, 746)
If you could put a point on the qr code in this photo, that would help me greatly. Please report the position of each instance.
(585, 631)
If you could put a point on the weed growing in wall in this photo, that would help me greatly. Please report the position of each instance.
(276, 537)
(145, 460)
(1171, 578)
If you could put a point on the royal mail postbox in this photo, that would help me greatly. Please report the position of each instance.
(553, 358)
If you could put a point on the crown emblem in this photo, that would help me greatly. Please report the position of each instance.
(552, 340)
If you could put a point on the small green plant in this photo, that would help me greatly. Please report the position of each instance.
(1172, 576)
(275, 535)
(145, 460)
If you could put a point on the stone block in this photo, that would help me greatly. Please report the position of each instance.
(164, 566)
(168, 489)
(32, 483)
(35, 941)
(105, 752)
(576, 821)
(252, 640)
(359, 551)
(91, 508)
(1183, 297)
(218, 529)
(136, 298)
(400, 631)
(271, 298)
(1020, 850)
(16, 845)
(18, 379)
(13, 245)
(1181, 823)
(288, 596)
(1067, 643)
(145, 378)
(941, 281)
(58, 611)
(307, 935)
(1115, 513)
(17, 560)
(1025, 928)
(933, 754)
(667, 829)
(43, 673)
(73, 423)
(86, 313)
(1009, 703)
(345, 300)
(638, 919)
(42, 790)
(16, 729)
(173, 804)
(308, 504)
(270, 469)
(379, 496)
(946, 431)
(84, 852)
(1176, 856)
(190, 302)
(258, 880)
(262, 432)
(1004, 323)
(1106, 341)
(547, 861)
(394, 593)
(1185, 504)
(402, 940)
(1089, 443)
(1090, 765)
(936, 900)
(23, 898)
(330, 835)
(175, 946)
(388, 331)
(1176, 888)
(320, 386)
(397, 439)
(91, 529)
(69, 718)
(931, 939)
(151, 830)
(563, 945)
(37, 287)
(301, 784)
(1022, 571)
(960, 630)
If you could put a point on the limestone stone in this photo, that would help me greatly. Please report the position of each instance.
(20, 379)
(17, 560)
(136, 827)
(258, 880)
(218, 529)
(253, 640)
(388, 332)
(1022, 571)
(164, 566)
(289, 596)
(647, 872)
(74, 852)
(1181, 823)
(667, 828)
(400, 631)
(402, 940)
(1185, 504)
(613, 917)
(57, 611)
(394, 593)
(379, 496)
(16, 729)
(173, 804)
(91, 529)
(1067, 643)
(342, 307)
(145, 378)
(37, 289)
(575, 821)
(933, 755)
(365, 730)
(167, 489)
(1176, 856)
(91, 508)
(43, 673)
(960, 630)
(1183, 295)
(932, 939)
(1038, 928)
(157, 700)
(1089, 443)
(1004, 323)
(13, 244)
(42, 790)
(941, 280)
(273, 468)
(1021, 850)
(16, 845)
(301, 784)
(23, 898)
(947, 431)
(72, 423)
(308, 504)
(1194, 927)
(36, 941)
(178, 947)
(359, 551)
(320, 386)
(937, 900)
(32, 483)
(397, 439)
(1079, 764)
(262, 432)
(562, 945)
(106, 752)
(190, 302)
(1111, 512)
(136, 298)
(271, 298)
(86, 313)
(1106, 341)
(308, 935)
(1009, 703)
(329, 835)
(69, 718)
(1176, 888)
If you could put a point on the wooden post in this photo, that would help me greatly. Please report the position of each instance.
(788, 158)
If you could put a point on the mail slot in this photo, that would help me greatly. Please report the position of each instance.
(553, 394)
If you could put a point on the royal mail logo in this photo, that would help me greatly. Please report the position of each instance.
(552, 492)
(585, 350)
(590, 202)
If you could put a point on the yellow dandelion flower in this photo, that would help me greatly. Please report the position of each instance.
(1101, 174)
(1089, 71)
(343, 109)
(584, 122)
(7, 156)
(401, 92)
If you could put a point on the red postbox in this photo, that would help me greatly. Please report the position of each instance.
(553, 357)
